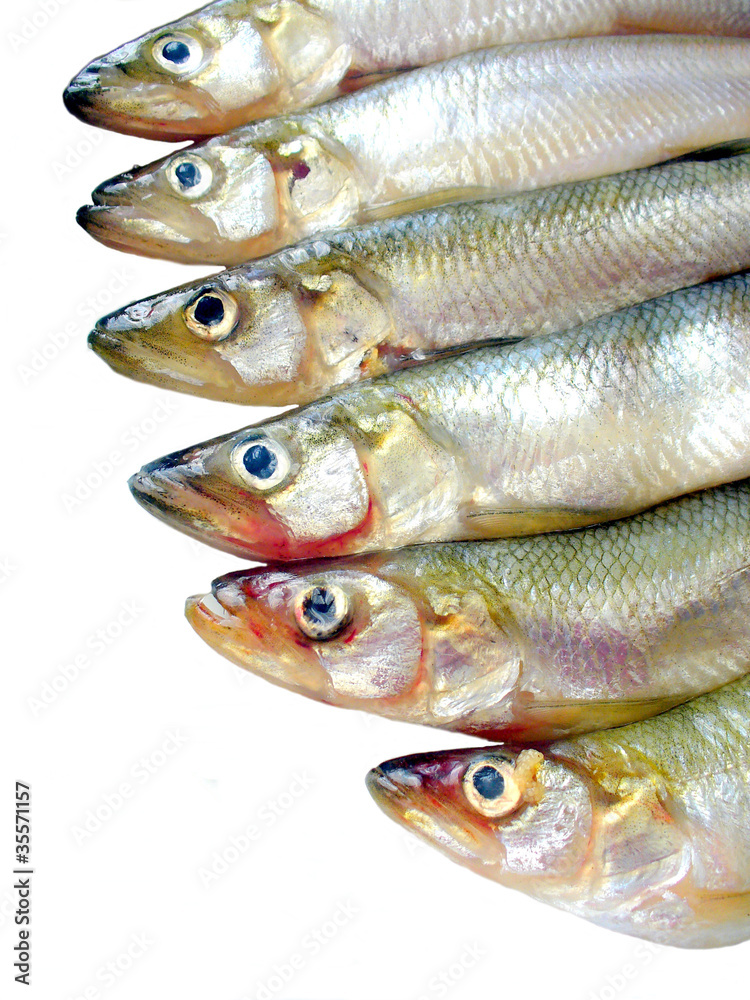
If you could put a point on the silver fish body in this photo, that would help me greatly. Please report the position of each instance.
(236, 60)
(514, 639)
(548, 433)
(641, 829)
(353, 304)
(499, 121)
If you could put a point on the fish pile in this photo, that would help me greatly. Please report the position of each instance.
(497, 254)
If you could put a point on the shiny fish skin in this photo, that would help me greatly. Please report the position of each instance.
(642, 829)
(497, 121)
(523, 639)
(252, 59)
(552, 432)
(355, 303)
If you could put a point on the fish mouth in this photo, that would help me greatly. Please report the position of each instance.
(234, 626)
(124, 358)
(103, 342)
(126, 228)
(171, 491)
(112, 350)
(79, 97)
(397, 792)
(150, 492)
(161, 498)
(104, 96)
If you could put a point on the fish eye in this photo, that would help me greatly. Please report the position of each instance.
(212, 315)
(491, 788)
(177, 53)
(189, 175)
(488, 782)
(321, 612)
(261, 463)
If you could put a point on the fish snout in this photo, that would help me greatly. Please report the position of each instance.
(104, 342)
(80, 94)
(397, 790)
(114, 191)
(161, 483)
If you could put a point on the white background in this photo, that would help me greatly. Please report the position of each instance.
(176, 750)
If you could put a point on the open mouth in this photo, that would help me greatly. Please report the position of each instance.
(246, 637)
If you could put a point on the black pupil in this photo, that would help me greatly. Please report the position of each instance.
(188, 175)
(489, 782)
(260, 461)
(176, 52)
(319, 607)
(209, 310)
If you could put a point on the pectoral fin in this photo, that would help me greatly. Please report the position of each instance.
(503, 523)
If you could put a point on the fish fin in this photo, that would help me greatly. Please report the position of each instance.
(504, 523)
(438, 199)
(421, 357)
(356, 81)
(721, 151)
(624, 25)
(723, 908)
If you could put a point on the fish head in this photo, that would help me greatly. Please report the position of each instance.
(229, 199)
(359, 634)
(197, 205)
(337, 634)
(333, 478)
(518, 816)
(271, 491)
(263, 334)
(222, 66)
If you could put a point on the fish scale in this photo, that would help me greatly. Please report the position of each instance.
(691, 743)
(624, 558)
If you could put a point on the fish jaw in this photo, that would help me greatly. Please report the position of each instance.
(242, 60)
(167, 493)
(103, 96)
(257, 620)
(128, 231)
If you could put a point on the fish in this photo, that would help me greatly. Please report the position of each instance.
(514, 639)
(234, 61)
(641, 829)
(494, 122)
(544, 434)
(356, 303)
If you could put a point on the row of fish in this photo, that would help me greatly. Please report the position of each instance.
(355, 303)
(498, 121)
(529, 350)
